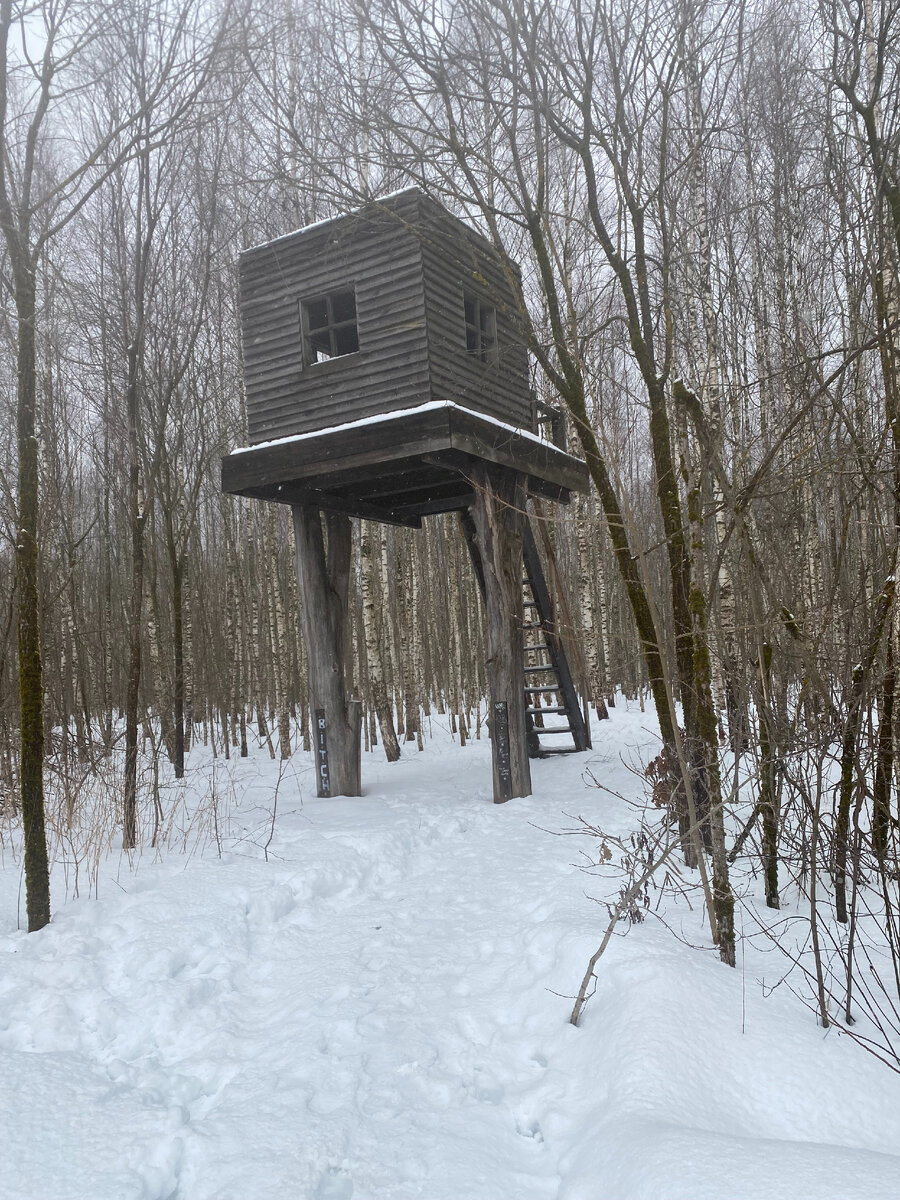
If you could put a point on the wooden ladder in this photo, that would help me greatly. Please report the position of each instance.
(542, 642)
(546, 659)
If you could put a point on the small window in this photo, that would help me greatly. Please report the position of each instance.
(329, 326)
(481, 328)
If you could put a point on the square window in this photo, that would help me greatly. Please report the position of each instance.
(328, 325)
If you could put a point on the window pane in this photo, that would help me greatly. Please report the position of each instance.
(346, 340)
(320, 345)
(316, 313)
(343, 307)
(481, 328)
(488, 322)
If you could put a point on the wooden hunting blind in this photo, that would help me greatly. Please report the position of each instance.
(386, 377)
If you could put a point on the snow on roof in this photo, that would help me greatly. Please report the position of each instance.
(335, 217)
(430, 406)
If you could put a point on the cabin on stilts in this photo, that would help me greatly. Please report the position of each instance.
(386, 377)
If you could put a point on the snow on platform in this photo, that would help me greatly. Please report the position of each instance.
(379, 1012)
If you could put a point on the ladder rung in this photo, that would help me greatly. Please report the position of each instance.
(529, 603)
(541, 667)
(532, 625)
(554, 728)
(550, 687)
(545, 751)
(550, 709)
(539, 646)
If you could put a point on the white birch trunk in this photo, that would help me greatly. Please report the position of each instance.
(374, 644)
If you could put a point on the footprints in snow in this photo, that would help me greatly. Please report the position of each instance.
(334, 1184)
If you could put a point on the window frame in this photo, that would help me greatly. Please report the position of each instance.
(481, 332)
(332, 327)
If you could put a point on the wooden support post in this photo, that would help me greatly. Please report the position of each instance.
(324, 587)
(498, 512)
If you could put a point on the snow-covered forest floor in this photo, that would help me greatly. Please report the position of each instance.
(369, 998)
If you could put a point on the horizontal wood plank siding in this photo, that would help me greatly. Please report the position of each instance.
(455, 260)
(415, 452)
(409, 262)
(337, 451)
(374, 252)
(480, 439)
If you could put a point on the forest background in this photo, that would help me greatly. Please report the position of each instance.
(705, 202)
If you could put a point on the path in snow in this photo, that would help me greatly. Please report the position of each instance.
(371, 1014)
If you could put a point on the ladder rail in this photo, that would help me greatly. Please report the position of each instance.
(541, 593)
(552, 644)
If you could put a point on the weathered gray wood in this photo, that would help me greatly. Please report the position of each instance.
(439, 444)
(473, 435)
(324, 587)
(373, 445)
(455, 259)
(498, 513)
(411, 265)
(373, 479)
(558, 664)
(454, 503)
(409, 262)
(470, 537)
(333, 503)
(371, 251)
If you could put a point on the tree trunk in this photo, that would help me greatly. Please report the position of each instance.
(135, 632)
(884, 767)
(374, 656)
(848, 750)
(177, 565)
(31, 687)
(708, 778)
(767, 791)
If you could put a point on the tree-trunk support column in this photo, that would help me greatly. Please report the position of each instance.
(324, 587)
(499, 515)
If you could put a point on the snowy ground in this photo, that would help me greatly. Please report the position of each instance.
(378, 1010)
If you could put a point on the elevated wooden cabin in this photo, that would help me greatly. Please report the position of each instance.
(380, 310)
(386, 377)
(383, 353)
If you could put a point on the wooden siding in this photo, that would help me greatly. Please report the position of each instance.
(372, 251)
(425, 450)
(457, 260)
(409, 262)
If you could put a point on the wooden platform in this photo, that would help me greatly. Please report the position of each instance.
(400, 467)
